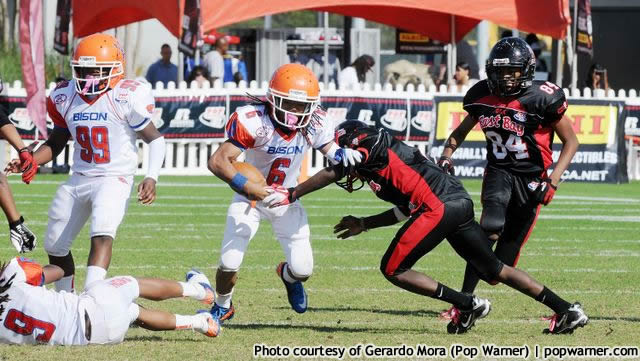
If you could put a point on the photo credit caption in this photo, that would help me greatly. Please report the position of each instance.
(454, 351)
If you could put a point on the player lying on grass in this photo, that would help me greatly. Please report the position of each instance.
(437, 207)
(32, 314)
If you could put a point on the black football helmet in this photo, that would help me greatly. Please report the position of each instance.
(508, 56)
(355, 134)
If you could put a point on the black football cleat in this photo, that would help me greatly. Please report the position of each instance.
(462, 321)
(568, 321)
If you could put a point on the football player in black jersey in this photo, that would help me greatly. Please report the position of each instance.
(519, 117)
(435, 206)
(19, 234)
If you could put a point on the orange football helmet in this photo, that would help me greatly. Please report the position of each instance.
(294, 94)
(97, 64)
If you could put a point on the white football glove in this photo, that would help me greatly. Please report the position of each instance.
(349, 157)
(278, 196)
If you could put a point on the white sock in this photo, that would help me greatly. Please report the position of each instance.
(224, 300)
(193, 290)
(286, 275)
(94, 273)
(65, 284)
(188, 322)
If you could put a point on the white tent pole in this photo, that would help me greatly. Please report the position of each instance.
(574, 58)
(451, 63)
(325, 77)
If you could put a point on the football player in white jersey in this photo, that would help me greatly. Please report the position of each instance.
(274, 135)
(103, 113)
(102, 314)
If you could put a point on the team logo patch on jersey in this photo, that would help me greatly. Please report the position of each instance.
(521, 117)
(150, 108)
(122, 98)
(60, 98)
(262, 132)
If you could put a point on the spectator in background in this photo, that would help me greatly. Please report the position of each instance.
(163, 70)
(214, 60)
(316, 64)
(200, 74)
(354, 75)
(597, 78)
(506, 34)
(235, 69)
(462, 76)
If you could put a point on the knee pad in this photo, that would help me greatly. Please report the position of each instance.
(301, 269)
(492, 219)
(231, 260)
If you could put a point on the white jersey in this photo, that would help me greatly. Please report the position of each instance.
(104, 128)
(32, 314)
(277, 155)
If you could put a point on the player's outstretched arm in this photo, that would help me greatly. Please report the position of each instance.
(157, 149)
(220, 165)
(354, 225)
(458, 136)
(51, 273)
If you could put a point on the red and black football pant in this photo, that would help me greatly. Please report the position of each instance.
(510, 210)
(454, 220)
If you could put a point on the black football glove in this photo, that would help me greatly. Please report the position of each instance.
(446, 164)
(545, 192)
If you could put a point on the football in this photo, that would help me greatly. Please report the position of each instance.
(252, 173)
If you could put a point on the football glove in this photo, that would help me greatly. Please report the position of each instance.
(21, 236)
(28, 165)
(446, 164)
(348, 157)
(545, 191)
(278, 196)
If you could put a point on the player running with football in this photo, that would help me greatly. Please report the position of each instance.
(102, 314)
(19, 234)
(104, 114)
(435, 206)
(518, 117)
(275, 136)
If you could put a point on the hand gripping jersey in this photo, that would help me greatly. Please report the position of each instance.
(399, 173)
(104, 128)
(518, 129)
(31, 314)
(276, 154)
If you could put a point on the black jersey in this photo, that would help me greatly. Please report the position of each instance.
(518, 129)
(399, 173)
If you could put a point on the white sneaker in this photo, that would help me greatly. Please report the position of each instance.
(195, 276)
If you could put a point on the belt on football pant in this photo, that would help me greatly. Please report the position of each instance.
(87, 326)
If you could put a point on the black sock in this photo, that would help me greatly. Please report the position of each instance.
(460, 300)
(553, 301)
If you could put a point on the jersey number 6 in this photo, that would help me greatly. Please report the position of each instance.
(276, 174)
(23, 324)
(95, 144)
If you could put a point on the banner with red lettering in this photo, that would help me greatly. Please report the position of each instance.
(600, 156)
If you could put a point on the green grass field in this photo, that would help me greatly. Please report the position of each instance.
(586, 246)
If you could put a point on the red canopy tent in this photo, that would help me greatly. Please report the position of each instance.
(428, 17)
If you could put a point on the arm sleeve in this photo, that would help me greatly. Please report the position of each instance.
(556, 108)
(4, 119)
(142, 106)
(238, 134)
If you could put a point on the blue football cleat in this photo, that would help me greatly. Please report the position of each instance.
(222, 314)
(295, 291)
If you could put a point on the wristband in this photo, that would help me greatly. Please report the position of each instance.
(238, 181)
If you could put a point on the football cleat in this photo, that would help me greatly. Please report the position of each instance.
(196, 276)
(222, 314)
(211, 326)
(567, 321)
(21, 236)
(462, 321)
(295, 291)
